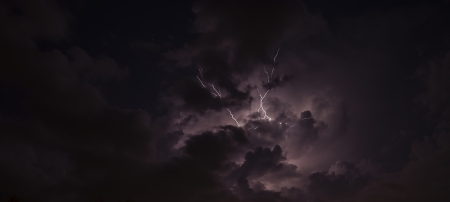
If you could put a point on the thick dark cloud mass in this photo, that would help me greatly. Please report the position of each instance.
(227, 101)
(230, 47)
(262, 162)
(342, 181)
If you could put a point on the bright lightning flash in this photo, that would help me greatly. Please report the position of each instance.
(274, 58)
(261, 104)
(269, 80)
(217, 93)
(201, 82)
(239, 125)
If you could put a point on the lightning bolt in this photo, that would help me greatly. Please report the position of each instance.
(268, 77)
(239, 125)
(261, 104)
(269, 80)
(201, 82)
(271, 74)
(217, 94)
(274, 58)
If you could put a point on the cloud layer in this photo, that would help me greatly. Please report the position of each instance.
(357, 108)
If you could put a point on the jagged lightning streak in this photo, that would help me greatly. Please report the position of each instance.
(271, 74)
(261, 104)
(232, 116)
(267, 73)
(269, 80)
(218, 94)
(274, 58)
(273, 67)
(269, 77)
(201, 82)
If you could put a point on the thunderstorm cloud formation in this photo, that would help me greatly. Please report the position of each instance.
(225, 101)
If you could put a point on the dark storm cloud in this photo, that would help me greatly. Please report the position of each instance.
(303, 135)
(294, 194)
(420, 178)
(144, 47)
(259, 162)
(358, 81)
(238, 37)
(342, 181)
(34, 18)
(297, 134)
(101, 69)
(267, 196)
(165, 143)
(270, 131)
(195, 175)
(424, 178)
(71, 133)
(323, 105)
(438, 86)
(278, 81)
(250, 32)
(60, 100)
(218, 146)
(205, 161)
(200, 99)
(342, 91)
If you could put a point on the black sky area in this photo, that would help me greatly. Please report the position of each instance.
(224, 101)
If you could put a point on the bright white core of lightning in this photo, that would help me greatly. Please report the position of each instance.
(201, 82)
(217, 93)
(239, 125)
(261, 107)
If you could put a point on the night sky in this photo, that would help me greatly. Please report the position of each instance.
(224, 101)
